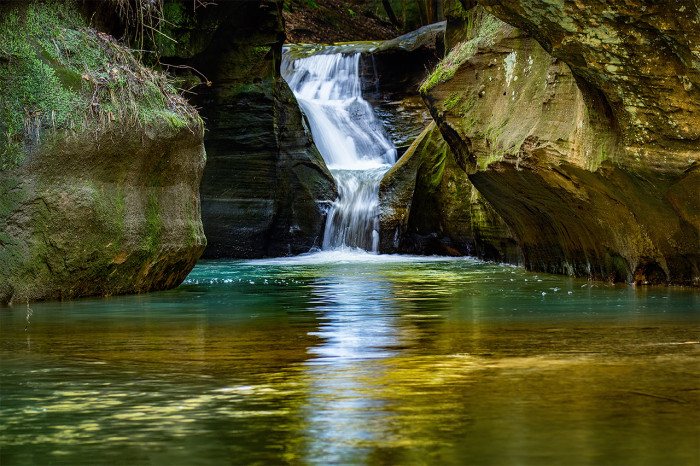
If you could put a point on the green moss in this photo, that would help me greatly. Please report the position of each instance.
(438, 168)
(192, 232)
(154, 224)
(451, 101)
(447, 68)
(261, 51)
(55, 74)
(468, 103)
(488, 27)
(470, 124)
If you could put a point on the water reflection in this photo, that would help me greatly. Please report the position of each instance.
(356, 320)
(389, 360)
(357, 324)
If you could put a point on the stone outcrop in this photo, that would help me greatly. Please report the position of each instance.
(265, 186)
(581, 130)
(642, 57)
(391, 73)
(101, 163)
(429, 206)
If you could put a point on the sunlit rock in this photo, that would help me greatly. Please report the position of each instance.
(586, 187)
(429, 206)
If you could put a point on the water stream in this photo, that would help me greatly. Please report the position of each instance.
(350, 138)
(341, 357)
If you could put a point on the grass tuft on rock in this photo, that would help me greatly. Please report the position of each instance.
(58, 75)
(483, 29)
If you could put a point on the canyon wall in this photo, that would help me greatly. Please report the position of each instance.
(265, 186)
(580, 128)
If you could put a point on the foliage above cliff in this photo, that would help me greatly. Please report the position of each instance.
(57, 74)
(315, 21)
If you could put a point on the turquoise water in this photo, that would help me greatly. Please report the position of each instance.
(349, 358)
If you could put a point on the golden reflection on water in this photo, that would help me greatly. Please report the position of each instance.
(427, 364)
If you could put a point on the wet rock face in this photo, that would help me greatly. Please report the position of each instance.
(429, 206)
(106, 215)
(586, 189)
(265, 186)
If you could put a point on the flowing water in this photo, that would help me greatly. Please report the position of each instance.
(336, 358)
(350, 138)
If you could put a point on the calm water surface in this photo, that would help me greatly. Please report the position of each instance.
(340, 358)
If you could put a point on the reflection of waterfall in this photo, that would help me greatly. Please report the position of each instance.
(350, 138)
(358, 331)
(358, 320)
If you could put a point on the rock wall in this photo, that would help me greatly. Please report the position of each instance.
(265, 186)
(427, 203)
(101, 163)
(589, 153)
(391, 73)
(642, 57)
(429, 206)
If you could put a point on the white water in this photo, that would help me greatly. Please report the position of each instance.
(351, 140)
(358, 256)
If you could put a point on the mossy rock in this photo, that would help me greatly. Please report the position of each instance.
(58, 75)
(99, 191)
(428, 206)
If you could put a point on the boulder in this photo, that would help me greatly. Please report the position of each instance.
(101, 163)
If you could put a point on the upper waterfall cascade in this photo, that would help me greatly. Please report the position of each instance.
(350, 138)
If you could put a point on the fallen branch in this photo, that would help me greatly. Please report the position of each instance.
(206, 80)
(160, 32)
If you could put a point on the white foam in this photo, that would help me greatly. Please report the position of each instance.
(352, 256)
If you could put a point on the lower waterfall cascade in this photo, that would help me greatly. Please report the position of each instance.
(350, 138)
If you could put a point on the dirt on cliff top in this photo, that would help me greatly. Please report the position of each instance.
(327, 21)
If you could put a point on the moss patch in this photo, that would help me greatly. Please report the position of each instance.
(56, 74)
(451, 101)
(485, 27)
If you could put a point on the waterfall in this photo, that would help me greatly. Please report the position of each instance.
(350, 138)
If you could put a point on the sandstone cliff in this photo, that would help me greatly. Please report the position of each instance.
(265, 185)
(429, 206)
(581, 129)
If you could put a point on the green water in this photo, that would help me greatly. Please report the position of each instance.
(356, 359)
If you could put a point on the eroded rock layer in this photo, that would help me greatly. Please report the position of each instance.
(391, 73)
(429, 206)
(265, 185)
(590, 153)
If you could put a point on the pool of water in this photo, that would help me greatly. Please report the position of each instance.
(353, 358)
